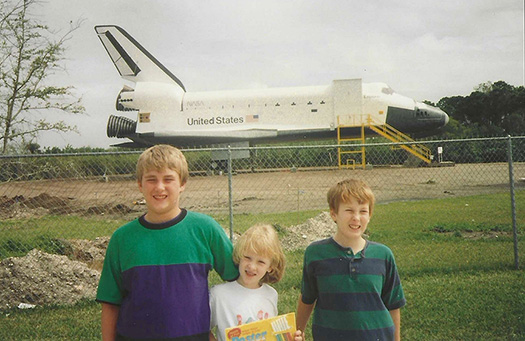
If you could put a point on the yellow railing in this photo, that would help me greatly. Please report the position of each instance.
(386, 131)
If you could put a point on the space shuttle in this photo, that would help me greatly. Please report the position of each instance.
(167, 113)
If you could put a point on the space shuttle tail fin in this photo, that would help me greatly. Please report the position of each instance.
(133, 62)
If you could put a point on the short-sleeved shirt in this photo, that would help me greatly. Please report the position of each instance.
(353, 293)
(158, 275)
(233, 305)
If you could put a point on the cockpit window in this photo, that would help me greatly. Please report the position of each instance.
(387, 90)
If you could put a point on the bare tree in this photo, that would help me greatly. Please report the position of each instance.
(29, 54)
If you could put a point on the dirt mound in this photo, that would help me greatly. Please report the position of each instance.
(316, 228)
(44, 204)
(40, 278)
(91, 252)
(44, 200)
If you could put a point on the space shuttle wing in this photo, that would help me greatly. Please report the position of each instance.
(133, 62)
(220, 135)
(193, 138)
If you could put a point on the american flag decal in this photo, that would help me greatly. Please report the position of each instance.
(252, 118)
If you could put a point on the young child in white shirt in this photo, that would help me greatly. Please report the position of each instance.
(260, 258)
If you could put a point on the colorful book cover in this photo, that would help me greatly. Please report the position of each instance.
(278, 328)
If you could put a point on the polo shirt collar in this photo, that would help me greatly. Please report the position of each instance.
(346, 249)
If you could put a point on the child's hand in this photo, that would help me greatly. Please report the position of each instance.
(298, 335)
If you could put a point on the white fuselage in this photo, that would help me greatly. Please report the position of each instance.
(258, 114)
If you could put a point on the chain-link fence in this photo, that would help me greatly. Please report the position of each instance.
(54, 202)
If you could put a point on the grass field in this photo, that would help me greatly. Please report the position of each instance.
(455, 258)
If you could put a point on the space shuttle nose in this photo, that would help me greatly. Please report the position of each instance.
(446, 118)
(432, 115)
(437, 112)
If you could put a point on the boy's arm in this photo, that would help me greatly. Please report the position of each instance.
(212, 337)
(303, 314)
(222, 250)
(109, 321)
(396, 317)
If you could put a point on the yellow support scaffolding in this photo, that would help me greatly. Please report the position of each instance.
(384, 130)
(341, 152)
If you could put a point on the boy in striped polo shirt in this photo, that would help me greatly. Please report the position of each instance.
(351, 284)
(154, 283)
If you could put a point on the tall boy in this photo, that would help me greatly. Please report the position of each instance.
(154, 282)
(350, 283)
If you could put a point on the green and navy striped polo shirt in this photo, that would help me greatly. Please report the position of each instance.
(353, 293)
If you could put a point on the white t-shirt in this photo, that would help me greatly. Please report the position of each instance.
(232, 304)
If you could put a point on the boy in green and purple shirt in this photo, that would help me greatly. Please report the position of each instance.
(154, 282)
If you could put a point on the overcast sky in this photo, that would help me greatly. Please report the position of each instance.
(424, 49)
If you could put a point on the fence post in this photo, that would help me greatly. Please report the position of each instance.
(230, 191)
(513, 203)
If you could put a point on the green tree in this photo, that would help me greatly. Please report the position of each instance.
(29, 54)
(492, 109)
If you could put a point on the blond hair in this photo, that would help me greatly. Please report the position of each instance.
(350, 188)
(163, 156)
(262, 239)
